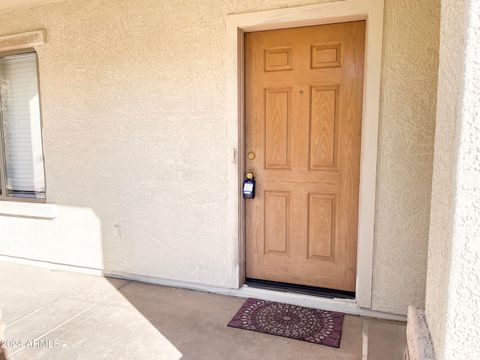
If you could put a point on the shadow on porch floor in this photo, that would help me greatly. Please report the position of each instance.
(62, 315)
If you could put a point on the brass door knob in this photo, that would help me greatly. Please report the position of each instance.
(251, 155)
(250, 175)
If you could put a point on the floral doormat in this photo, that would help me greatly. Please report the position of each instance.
(295, 322)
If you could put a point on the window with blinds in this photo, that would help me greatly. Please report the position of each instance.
(21, 163)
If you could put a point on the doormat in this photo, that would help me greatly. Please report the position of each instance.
(291, 321)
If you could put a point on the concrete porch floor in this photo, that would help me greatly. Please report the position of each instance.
(77, 316)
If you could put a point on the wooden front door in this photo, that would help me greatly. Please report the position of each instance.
(303, 127)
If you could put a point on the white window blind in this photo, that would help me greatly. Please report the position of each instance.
(21, 124)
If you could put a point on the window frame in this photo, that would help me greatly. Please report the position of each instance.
(3, 165)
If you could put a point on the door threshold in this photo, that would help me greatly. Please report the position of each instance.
(347, 306)
(299, 289)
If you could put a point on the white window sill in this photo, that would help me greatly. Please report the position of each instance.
(30, 210)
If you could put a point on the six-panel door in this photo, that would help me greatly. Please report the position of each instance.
(303, 125)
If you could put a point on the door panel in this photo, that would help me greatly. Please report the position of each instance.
(322, 127)
(277, 215)
(277, 114)
(303, 122)
(321, 226)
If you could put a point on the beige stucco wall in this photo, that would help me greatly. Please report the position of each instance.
(453, 283)
(133, 96)
(406, 133)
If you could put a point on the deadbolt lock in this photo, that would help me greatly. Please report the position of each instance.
(251, 155)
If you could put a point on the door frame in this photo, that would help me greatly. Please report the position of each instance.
(327, 13)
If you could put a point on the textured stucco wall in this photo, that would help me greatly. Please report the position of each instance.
(133, 96)
(406, 133)
(453, 283)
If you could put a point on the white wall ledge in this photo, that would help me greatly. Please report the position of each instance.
(26, 40)
(29, 210)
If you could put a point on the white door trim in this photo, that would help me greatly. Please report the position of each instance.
(333, 12)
